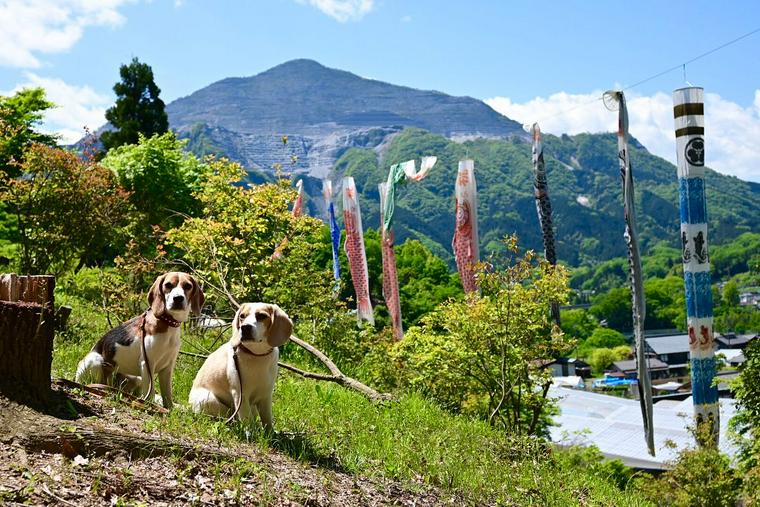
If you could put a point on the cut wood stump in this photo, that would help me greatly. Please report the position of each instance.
(27, 323)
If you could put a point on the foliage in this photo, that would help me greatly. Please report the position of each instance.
(730, 296)
(601, 337)
(68, 210)
(602, 358)
(485, 355)
(230, 245)
(578, 323)
(160, 176)
(665, 303)
(138, 109)
(614, 307)
(746, 423)
(700, 476)
(20, 116)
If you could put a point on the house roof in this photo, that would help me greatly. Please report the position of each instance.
(630, 365)
(672, 344)
(735, 339)
(614, 425)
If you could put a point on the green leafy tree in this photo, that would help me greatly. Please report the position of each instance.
(601, 359)
(138, 109)
(747, 421)
(161, 178)
(730, 296)
(602, 337)
(615, 308)
(68, 210)
(578, 323)
(700, 476)
(230, 246)
(20, 116)
(484, 355)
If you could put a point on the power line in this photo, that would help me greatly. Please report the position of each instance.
(655, 76)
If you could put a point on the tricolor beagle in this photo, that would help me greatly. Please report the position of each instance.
(130, 354)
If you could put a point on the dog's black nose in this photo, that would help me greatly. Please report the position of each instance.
(246, 331)
(179, 299)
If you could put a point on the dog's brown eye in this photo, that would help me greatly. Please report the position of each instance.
(261, 316)
(187, 286)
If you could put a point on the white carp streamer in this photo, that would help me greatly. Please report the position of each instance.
(354, 246)
(465, 242)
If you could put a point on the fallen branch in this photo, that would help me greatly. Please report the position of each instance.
(335, 375)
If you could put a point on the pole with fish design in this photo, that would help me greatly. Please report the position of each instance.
(327, 192)
(617, 99)
(465, 242)
(544, 206)
(688, 111)
(390, 277)
(354, 247)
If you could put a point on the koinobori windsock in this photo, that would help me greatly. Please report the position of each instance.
(390, 277)
(396, 175)
(544, 206)
(688, 110)
(465, 242)
(327, 192)
(297, 210)
(354, 246)
(634, 263)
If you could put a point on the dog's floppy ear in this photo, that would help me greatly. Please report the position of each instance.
(156, 296)
(196, 302)
(236, 322)
(281, 328)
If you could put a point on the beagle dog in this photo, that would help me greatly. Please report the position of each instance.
(238, 378)
(130, 354)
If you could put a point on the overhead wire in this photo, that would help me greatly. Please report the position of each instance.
(681, 65)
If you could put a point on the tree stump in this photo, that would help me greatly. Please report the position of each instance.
(27, 323)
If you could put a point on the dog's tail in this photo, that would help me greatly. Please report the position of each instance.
(90, 369)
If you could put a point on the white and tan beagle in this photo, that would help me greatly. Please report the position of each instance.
(130, 354)
(237, 379)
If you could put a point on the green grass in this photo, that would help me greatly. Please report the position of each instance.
(411, 439)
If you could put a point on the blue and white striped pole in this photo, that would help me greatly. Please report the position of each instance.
(688, 111)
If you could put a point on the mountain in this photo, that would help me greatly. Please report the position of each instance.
(338, 123)
(584, 186)
(323, 112)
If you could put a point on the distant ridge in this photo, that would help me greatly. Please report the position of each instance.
(323, 112)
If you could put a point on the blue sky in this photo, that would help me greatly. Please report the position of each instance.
(526, 61)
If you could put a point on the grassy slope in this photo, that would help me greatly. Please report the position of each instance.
(411, 439)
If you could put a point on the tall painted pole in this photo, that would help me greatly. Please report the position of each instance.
(390, 276)
(465, 242)
(634, 263)
(688, 111)
(544, 206)
(354, 246)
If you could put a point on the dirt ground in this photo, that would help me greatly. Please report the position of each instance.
(104, 456)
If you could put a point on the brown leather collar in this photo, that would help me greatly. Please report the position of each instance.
(237, 348)
(169, 320)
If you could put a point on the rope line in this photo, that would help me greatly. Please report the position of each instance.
(681, 65)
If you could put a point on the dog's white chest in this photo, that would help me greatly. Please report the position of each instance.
(161, 348)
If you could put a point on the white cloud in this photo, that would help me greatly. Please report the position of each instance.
(31, 27)
(77, 107)
(731, 130)
(342, 10)
(406, 19)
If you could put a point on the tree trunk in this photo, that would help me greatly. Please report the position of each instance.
(26, 336)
